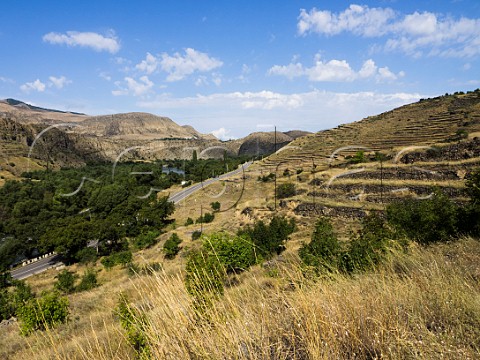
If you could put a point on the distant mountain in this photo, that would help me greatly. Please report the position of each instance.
(136, 126)
(22, 105)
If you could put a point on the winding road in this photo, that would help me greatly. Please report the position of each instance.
(181, 195)
(36, 267)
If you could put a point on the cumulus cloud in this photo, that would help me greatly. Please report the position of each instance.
(416, 34)
(360, 20)
(222, 134)
(179, 66)
(333, 71)
(59, 82)
(95, 41)
(36, 85)
(149, 65)
(134, 87)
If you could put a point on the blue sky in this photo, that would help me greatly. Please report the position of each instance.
(234, 67)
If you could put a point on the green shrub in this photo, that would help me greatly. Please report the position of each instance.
(171, 248)
(323, 250)
(426, 221)
(358, 158)
(42, 313)
(369, 247)
(86, 255)
(267, 178)
(134, 323)
(269, 239)
(189, 221)
(206, 218)
(88, 281)
(119, 258)
(215, 206)
(286, 190)
(196, 235)
(235, 253)
(65, 282)
(146, 240)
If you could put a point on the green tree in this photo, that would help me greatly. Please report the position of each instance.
(215, 206)
(426, 221)
(235, 253)
(65, 281)
(45, 312)
(171, 248)
(88, 281)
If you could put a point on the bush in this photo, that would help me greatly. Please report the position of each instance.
(285, 190)
(43, 313)
(267, 178)
(12, 301)
(134, 323)
(171, 248)
(215, 206)
(323, 251)
(119, 258)
(65, 282)
(369, 247)
(146, 240)
(235, 253)
(196, 235)
(206, 218)
(269, 239)
(189, 221)
(86, 255)
(425, 221)
(88, 281)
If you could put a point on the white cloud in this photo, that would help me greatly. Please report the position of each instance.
(6, 80)
(385, 74)
(222, 134)
(334, 71)
(60, 82)
(149, 65)
(92, 40)
(416, 34)
(36, 85)
(134, 87)
(180, 66)
(361, 20)
(290, 71)
(244, 112)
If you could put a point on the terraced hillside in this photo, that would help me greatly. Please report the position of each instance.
(406, 152)
(426, 122)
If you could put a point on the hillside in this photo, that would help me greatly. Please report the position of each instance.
(427, 122)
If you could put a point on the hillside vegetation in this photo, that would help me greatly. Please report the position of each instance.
(330, 248)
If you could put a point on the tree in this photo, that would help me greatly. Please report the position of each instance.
(171, 248)
(65, 281)
(426, 221)
(45, 312)
(215, 206)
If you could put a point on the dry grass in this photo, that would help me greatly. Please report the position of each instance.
(424, 304)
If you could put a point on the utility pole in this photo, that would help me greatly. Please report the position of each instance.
(275, 138)
(201, 219)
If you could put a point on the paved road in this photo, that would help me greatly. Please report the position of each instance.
(37, 267)
(181, 195)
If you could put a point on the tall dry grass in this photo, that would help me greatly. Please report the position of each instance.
(422, 304)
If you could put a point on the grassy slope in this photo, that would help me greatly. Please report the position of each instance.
(421, 305)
